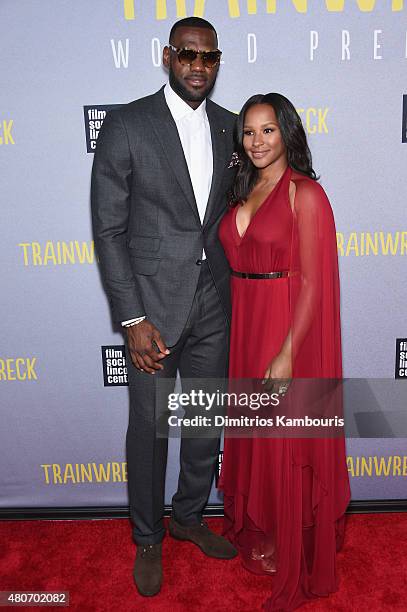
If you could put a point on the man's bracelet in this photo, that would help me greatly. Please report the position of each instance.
(135, 322)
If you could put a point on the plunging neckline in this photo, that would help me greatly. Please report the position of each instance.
(241, 237)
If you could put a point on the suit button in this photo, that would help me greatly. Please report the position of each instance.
(198, 262)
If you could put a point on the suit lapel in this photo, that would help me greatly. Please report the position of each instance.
(219, 139)
(167, 134)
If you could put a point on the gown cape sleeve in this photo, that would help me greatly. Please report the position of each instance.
(314, 285)
(316, 355)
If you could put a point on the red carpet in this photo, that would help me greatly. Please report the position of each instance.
(93, 560)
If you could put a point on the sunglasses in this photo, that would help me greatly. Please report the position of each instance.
(186, 57)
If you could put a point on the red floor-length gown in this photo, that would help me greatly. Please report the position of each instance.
(288, 493)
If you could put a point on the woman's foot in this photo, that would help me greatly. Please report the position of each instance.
(266, 560)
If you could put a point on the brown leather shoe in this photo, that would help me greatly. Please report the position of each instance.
(210, 543)
(148, 573)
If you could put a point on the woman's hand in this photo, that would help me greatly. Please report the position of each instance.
(279, 368)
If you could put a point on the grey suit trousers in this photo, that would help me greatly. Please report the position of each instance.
(200, 352)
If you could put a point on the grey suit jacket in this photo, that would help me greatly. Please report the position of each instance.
(147, 229)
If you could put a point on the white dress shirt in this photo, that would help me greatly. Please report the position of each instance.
(195, 135)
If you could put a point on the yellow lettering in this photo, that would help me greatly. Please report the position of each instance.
(86, 473)
(181, 8)
(370, 245)
(161, 8)
(396, 466)
(84, 253)
(25, 246)
(382, 467)
(362, 243)
(339, 242)
(45, 467)
(338, 5)
(365, 6)
(366, 466)
(68, 473)
(56, 473)
(116, 471)
(76, 473)
(351, 467)
(199, 10)
(17, 369)
(403, 245)
(405, 465)
(68, 253)
(7, 137)
(322, 127)
(313, 125)
(301, 6)
(30, 369)
(10, 369)
(58, 253)
(311, 129)
(36, 249)
(352, 245)
(234, 9)
(49, 254)
(20, 375)
(390, 244)
(101, 473)
(129, 9)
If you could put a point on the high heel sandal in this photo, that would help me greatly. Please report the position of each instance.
(267, 562)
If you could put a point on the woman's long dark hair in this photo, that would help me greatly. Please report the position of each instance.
(293, 135)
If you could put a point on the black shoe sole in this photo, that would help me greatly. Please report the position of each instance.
(146, 594)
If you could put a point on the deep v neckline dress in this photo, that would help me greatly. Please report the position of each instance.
(285, 495)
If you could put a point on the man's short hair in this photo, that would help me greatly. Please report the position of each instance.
(192, 22)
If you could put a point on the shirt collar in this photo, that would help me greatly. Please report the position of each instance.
(178, 108)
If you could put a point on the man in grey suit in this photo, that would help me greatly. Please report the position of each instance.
(159, 182)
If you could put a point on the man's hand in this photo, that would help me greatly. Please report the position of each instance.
(146, 347)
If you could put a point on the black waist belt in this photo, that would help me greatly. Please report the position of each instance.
(265, 275)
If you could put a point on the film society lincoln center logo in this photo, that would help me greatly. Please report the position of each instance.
(114, 366)
(401, 358)
(94, 116)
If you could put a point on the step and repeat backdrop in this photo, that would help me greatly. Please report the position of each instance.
(63, 382)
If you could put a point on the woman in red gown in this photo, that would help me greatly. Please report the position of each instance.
(285, 498)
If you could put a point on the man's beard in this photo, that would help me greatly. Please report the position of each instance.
(184, 93)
